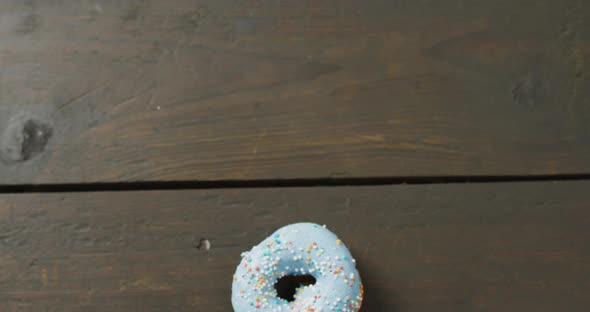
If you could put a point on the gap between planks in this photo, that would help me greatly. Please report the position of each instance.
(277, 183)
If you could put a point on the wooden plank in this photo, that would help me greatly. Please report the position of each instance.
(486, 247)
(225, 89)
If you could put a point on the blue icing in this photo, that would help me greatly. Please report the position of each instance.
(298, 249)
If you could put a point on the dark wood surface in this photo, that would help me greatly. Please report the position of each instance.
(221, 90)
(184, 90)
(460, 248)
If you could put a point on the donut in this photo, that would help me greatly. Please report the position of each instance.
(298, 253)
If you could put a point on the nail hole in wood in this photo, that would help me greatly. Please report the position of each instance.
(204, 244)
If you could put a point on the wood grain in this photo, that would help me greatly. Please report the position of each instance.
(486, 247)
(139, 90)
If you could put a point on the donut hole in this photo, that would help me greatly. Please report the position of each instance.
(287, 286)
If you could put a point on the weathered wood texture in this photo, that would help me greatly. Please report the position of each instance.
(211, 90)
(459, 248)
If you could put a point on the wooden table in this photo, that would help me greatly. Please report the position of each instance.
(446, 142)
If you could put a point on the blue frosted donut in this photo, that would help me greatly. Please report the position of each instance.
(297, 250)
